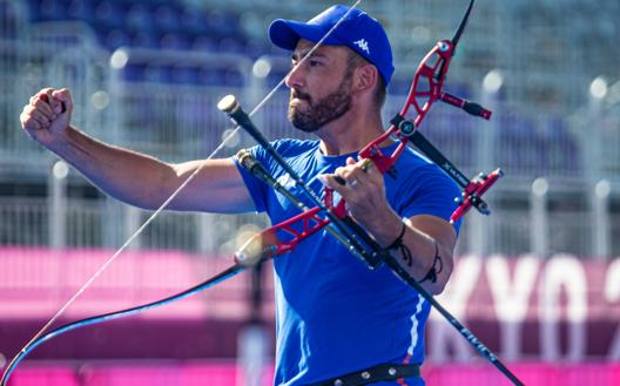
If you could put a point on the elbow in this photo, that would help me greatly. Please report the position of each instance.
(443, 273)
(438, 287)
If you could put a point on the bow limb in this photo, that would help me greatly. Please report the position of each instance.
(224, 275)
(37, 338)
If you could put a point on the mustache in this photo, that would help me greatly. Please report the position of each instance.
(300, 95)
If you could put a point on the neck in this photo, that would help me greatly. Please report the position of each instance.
(351, 132)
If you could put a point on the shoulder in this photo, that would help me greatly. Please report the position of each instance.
(296, 152)
(417, 174)
(286, 147)
(290, 147)
(423, 188)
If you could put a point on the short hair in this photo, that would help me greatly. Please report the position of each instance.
(355, 60)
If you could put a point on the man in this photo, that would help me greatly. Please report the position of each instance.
(334, 316)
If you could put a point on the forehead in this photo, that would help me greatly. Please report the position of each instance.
(304, 46)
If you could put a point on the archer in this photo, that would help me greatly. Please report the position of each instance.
(345, 318)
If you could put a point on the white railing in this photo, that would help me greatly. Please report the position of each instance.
(105, 223)
(96, 224)
(24, 221)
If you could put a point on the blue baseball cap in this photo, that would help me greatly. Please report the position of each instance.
(358, 31)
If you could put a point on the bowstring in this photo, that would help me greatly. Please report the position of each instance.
(174, 194)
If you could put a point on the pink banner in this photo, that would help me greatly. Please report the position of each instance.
(560, 309)
(226, 374)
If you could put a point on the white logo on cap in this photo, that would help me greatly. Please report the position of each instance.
(363, 45)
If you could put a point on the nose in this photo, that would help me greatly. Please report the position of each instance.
(295, 77)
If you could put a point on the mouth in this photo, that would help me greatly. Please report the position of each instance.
(296, 102)
(299, 97)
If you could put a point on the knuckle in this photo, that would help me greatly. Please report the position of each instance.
(39, 98)
(45, 93)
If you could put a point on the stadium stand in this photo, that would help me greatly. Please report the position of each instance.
(178, 51)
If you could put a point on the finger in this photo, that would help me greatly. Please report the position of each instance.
(342, 173)
(370, 171)
(340, 180)
(356, 173)
(43, 93)
(366, 164)
(63, 95)
(29, 123)
(345, 176)
(33, 113)
(331, 181)
(43, 107)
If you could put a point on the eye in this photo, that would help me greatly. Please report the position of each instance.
(314, 62)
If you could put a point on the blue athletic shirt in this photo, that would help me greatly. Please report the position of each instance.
(333, 314)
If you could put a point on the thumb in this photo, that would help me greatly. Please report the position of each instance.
(63, 102)
(351, 161)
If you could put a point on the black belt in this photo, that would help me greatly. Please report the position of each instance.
(387, 372)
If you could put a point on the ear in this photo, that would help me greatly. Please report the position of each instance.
(365, 78)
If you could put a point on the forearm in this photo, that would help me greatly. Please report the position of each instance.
(426, 254)
(132, 177)
(124, 174)
(426, 245)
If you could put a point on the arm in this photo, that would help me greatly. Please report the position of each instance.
(422, 234)
(426, 237)
(132, 177)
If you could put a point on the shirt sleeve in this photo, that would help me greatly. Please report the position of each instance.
(430, 192)
(257, 188)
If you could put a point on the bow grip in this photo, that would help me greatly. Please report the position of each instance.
(258, 248)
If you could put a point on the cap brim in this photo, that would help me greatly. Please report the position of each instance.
(286, 33)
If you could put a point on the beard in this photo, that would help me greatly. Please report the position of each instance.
(319, 113)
